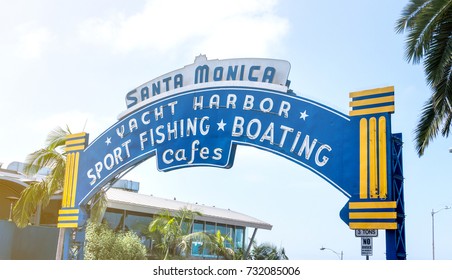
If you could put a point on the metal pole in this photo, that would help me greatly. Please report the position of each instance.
(10, 212)
(433, 234)
(433, 228)
(249, 246)
(11, 199)
(341, 255)
(59, 251)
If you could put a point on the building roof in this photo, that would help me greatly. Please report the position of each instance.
(142, 203)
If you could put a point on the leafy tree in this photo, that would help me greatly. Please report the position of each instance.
(429, 27)
(52, 156)
(172, 234)
(102, 243)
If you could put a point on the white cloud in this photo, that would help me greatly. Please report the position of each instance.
(225, 28)
(32, 40)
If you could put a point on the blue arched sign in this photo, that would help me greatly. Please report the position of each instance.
(197, 115)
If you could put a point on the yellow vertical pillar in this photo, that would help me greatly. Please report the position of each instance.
(68, 215)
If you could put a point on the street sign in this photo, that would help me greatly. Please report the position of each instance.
(366, 246)
(366, 232)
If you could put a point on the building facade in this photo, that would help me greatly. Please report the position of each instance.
(128, 209)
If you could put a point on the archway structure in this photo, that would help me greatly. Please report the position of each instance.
(197, 115)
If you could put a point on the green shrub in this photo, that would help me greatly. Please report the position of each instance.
(102, 243)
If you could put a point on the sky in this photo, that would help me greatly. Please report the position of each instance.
(72, 63)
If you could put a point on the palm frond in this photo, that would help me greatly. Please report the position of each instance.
(428, 127)
(421, 19)
(437, 61)
(57, 137)
(409, 13)
(29, 200)
(429, 27)
(53, 157)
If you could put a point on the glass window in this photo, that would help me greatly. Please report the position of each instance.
(230, 234)
(114, 218)
(230, 231)
(196, 245)
(198, 226)
(239, 236)
(210, 229)
(138, 222)
(221, 228)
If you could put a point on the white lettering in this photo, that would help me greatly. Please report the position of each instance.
(204, 129)
(254, 135)
(193, 150)
(249, 102)
(324, 158)
(283, 137)
(214, 101)
(269, 134)
(143, 120)
(143, 139)
(230, 101)
(197, 104)
(238, 125)
(267, 108)
(164, 158)
(284, 109)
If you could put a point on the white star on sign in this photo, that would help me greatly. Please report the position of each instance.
(303, 115)
(221, 125)
(108, 141)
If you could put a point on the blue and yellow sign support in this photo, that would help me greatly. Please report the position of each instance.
(381, 201)
(228, 105)
(374, 207)
(71, 216)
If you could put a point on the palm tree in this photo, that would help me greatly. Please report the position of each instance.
(39, 193)
(268, 251)
(172, 234)
(218, 247)
(52, 156)
(429, 27)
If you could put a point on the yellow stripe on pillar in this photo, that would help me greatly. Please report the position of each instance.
(66, 184)
(382, 162)
(75, 176)
(363, 158)
(70, 166)
(373, 179)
